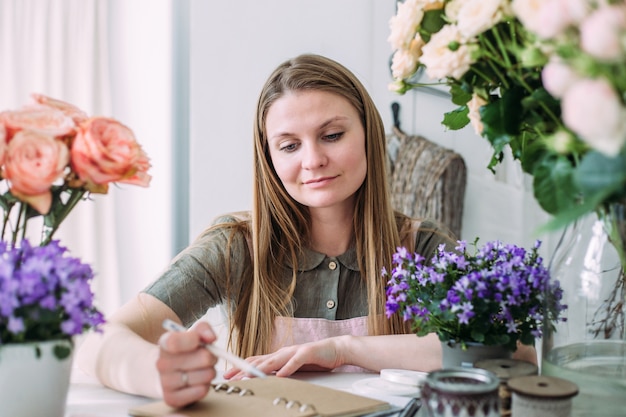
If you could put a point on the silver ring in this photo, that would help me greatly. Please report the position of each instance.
(185, 378)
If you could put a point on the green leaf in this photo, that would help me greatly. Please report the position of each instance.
(530, 150)
(596, 180)
(477, 336)
(433, 21)
(540, 98)
(502, 117)
(599, 172)
(456, 119)
(553, 184)
(62, 351)
(4, 204)
(460, 96)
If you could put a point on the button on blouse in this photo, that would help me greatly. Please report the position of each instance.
(329, 287)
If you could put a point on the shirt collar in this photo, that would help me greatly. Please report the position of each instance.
(311, 259)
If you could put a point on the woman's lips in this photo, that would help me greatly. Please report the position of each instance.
(319, 182)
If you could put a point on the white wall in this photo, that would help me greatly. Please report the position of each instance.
(235, 45)
(141, 68)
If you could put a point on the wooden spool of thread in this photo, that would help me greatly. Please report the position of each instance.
(505, 369)
(541, 396)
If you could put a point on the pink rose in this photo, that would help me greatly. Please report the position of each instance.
(43, 119)
(105, 151)
(557, 77)
(33, 162)
(70, 110)
(3, 143)
(549, 18)
(602, 33)
(593, 110)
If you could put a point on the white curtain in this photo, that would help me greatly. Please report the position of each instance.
(61, 48)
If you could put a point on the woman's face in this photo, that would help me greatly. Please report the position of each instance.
(317, 145)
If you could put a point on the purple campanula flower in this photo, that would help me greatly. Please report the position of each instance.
(38, 282)
(511, 327)
(500, 284)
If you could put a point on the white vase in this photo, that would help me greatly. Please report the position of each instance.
(33, 381)
(453, 355)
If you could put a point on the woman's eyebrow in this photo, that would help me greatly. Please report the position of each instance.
(287, 134)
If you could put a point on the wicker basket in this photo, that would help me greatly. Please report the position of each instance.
(426, 180)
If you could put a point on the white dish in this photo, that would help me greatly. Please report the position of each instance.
(379, 386)
(404, 376)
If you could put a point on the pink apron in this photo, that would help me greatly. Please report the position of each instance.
(290, 331)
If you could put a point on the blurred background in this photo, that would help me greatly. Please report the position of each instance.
(185, 75)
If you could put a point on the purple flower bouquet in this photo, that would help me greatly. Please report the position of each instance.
(499, 295)
(44, 295)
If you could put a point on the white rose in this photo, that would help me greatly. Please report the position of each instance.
(440, 60)
(403, 64)
(474, 106)
(476, 16)
(452, 10)
(396, 87)
(404, 24)
(602, 32)
(432, 4)
(557, 77)
(593, 110)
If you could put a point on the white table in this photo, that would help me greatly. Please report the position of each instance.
(87, 398)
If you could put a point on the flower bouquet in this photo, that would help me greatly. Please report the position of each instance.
(494, 296)
(45, 295)
(545, 79)
(52, 156)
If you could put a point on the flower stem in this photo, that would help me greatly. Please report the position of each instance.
(6, 219)
(496, 34)
(76, 196)
(21, 218)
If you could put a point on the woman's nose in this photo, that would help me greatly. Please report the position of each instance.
(313, 157)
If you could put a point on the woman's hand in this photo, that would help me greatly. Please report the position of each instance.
(185, 367)
(321, 355)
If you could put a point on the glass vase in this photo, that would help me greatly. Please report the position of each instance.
(589, 348)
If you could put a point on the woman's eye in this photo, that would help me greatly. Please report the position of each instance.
(333, 136)
(290, 147)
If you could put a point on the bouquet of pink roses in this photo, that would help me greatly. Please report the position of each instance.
(52, 154)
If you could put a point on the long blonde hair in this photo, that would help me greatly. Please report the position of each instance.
(280, 225)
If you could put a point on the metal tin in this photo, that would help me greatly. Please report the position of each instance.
(461, 392)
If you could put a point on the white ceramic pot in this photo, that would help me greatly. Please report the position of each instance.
(33, 381)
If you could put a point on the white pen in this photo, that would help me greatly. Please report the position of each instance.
(217, 351)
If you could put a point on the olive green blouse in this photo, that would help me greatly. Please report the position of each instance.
(326, 287)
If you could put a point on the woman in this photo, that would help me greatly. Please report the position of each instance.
(300, 276)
